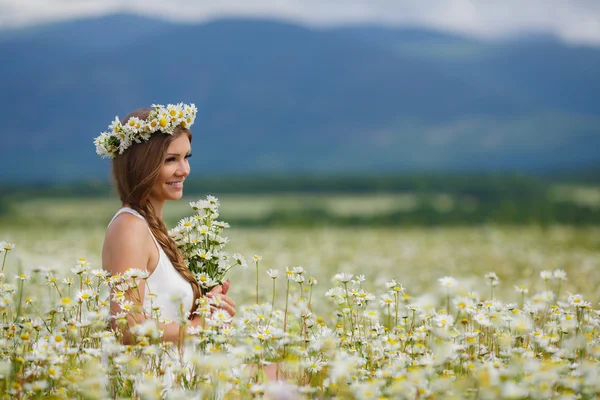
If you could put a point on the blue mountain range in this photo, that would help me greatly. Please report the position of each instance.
(274, 97)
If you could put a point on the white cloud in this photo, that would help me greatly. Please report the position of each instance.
(575, 21)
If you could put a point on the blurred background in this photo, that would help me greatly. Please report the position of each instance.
(354, 115)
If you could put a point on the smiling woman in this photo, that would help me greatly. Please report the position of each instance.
(150, 153)
(169, 182)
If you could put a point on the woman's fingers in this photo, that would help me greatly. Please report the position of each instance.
(228, 300)
(229, 308)
(225, 287)
(224, 302)
(217, 290)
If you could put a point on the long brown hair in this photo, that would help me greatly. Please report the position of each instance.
(134, 173)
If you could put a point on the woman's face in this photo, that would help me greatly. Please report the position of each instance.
(174, 170)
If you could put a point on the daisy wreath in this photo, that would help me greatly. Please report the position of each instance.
(164, 119)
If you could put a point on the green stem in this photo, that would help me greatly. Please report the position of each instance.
(256, 282)
(4, 261)
(41, 318)
(396, 298)
(273, 298)
(287, 292)
(272, 303)
(350, 307)
(20, 299)
(57, 289)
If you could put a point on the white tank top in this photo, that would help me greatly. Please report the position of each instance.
(169, 289)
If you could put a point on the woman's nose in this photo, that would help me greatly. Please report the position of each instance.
(184, 168)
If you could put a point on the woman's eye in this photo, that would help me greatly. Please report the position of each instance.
(188, 155)
(170, 159)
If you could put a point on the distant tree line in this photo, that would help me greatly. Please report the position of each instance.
(501, 199)
(479, 185)
(505, 212)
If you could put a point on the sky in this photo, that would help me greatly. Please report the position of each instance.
(573, 21)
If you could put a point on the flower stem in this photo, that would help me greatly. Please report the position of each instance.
(273, 298)
(287, 292)
(256, 282)
(396, 298)
(4, 260)
(20, 300)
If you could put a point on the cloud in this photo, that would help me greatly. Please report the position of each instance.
(576, 21)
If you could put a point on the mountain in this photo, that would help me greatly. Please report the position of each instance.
(277, 97)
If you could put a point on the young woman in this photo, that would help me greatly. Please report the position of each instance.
(150, 153)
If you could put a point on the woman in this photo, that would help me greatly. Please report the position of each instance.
(150, 150)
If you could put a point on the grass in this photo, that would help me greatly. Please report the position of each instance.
(416, 257)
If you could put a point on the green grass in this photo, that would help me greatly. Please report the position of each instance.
(566, 203)
(98, 211)
(56, 232)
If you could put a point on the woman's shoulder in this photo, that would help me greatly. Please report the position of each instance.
(126, 220)
(128, 242)
(127, 229)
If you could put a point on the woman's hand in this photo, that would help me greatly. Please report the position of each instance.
(225, 302)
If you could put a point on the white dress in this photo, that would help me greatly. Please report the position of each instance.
(169, 288)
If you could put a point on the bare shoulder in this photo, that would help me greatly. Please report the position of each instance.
(127, 244)
(126, 226)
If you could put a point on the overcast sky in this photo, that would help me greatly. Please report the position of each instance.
(576, 21)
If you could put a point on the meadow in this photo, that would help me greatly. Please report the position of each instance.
(432, 317)
(55, 232)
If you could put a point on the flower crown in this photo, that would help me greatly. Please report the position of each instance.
(164, 119)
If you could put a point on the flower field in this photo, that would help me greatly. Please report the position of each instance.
(482, 313)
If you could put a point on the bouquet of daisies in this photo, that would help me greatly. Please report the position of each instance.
(200, 240)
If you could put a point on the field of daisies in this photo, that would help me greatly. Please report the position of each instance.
(482, 313)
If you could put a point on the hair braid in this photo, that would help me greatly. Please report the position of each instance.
(159, 230)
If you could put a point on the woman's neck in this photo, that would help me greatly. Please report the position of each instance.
(156, 206)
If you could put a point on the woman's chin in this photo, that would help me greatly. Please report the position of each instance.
(175, 192)
(177, 196)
